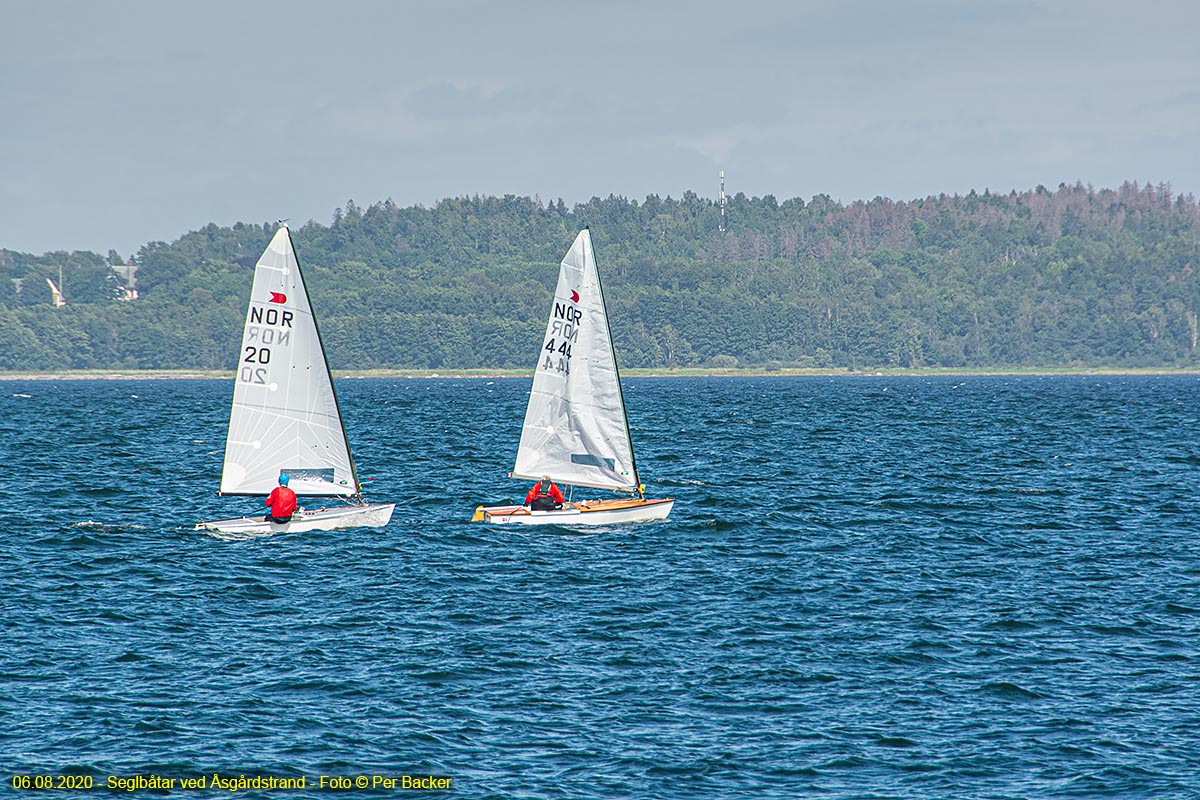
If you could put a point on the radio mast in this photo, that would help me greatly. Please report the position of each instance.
(722, 201)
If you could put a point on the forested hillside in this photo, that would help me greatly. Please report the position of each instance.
(1071, 277)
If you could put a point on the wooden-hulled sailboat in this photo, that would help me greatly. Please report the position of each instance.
(575, 427)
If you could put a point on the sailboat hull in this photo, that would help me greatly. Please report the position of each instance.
(371, 515)
(588, 512)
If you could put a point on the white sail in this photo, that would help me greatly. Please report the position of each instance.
(285, 414)
(575, 428)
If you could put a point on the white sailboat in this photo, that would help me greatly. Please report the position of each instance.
(285, 416)
(575, 427)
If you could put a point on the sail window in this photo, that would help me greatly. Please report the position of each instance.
(310, 475)
(589, 460)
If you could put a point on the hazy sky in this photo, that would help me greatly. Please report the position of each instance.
(130, 121)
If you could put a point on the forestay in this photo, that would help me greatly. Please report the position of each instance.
(575, 427)
(285, 414)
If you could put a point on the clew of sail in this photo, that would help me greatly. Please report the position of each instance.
(575, 426)
(285, 415)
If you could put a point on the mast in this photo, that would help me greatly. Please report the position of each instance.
(637, 480)
(324, 357)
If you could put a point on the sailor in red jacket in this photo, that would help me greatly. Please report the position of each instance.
(544, 496)
(282, 501)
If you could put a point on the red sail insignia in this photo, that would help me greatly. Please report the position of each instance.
(574, 296)
(276, 297)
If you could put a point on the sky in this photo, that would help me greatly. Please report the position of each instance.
(131, 121)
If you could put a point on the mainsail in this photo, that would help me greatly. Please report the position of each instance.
(575, 428)
(285, 414)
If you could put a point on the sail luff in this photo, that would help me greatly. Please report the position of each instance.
(637, 481)
(328, 373)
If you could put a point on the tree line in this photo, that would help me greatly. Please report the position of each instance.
(1075, 276)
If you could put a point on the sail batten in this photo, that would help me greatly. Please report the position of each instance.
(575, 427)
(285, 415)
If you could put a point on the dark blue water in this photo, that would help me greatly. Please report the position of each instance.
(870, 588)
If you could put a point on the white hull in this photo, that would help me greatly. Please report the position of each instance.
(372, 515)
(594, 512)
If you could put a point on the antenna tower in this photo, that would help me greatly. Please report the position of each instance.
(722, 201)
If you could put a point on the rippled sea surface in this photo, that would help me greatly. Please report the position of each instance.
(871, 587)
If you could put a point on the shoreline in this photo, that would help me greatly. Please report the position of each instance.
(683, 372)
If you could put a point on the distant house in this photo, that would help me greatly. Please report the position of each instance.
(128, 273)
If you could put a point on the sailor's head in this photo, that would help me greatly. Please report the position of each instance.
(283, 479)
(546, 481)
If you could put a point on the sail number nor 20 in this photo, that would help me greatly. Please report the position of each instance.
(259, 339)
